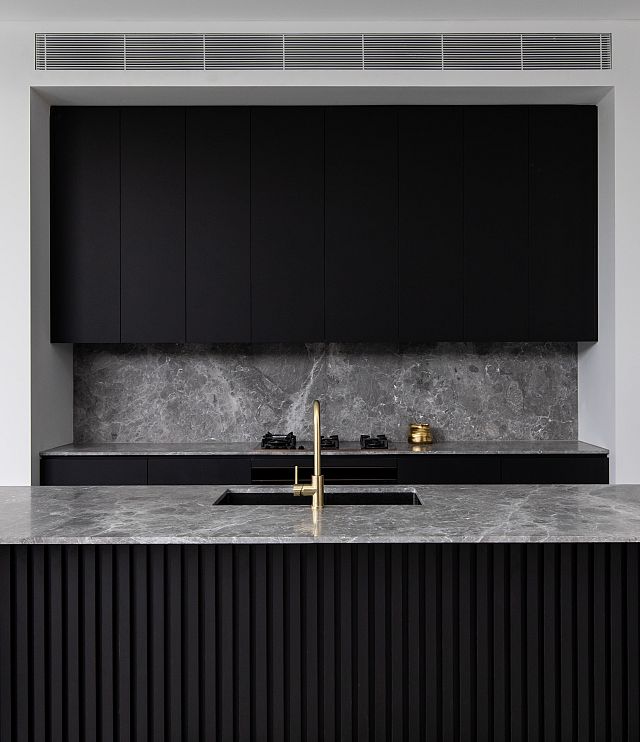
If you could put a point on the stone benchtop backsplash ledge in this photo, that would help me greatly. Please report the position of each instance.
(190, 393)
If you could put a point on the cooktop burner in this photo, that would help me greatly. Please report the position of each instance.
(331, 441)
(271, 440)
(370, 441)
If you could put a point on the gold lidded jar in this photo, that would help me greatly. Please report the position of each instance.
(420, 433)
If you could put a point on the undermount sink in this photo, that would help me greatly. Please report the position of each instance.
(265, 497)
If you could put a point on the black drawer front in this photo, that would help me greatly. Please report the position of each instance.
(336, 469)
(93, 470)
(450, 469)
(555, 469)
(199, 470)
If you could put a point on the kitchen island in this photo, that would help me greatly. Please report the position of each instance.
(489, 612)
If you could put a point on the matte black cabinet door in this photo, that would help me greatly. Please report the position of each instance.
(85, 225)
(496, 212)
(218, 225)
(555, 469)
(361, 224)
(153, 225)
(93, 470)
(564, 252)
(199, 470)
(458, 469)
(287, 230)
(430, 223)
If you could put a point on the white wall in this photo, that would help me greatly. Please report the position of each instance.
(51, 364)
(609, 394)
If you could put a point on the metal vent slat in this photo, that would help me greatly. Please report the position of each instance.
(83, 51)
(403, 51)
(165, 51)
(243, 51)
(271, 51)
(323, 52)
(578, 51)
(482, 52)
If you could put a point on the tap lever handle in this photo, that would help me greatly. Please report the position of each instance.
(295, 475)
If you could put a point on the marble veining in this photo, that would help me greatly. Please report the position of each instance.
(189, 393)
(447, 514)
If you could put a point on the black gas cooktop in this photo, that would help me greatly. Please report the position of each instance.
(288, 441)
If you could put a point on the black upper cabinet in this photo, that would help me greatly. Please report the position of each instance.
(430, 221)
(287, 224)
(85, 225)
(153, 225)
(344, 224)
(563, 262)
(496, 228)
(361, 224)
(218, 302)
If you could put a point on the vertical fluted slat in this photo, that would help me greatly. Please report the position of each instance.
(600, 643)
(380, 676)
(346, 666)
(467, 642)
(173, 700)
(533, 643)
(617, 632)
(38, 670)
(140, 656)
(259, 630)
(6, 662)
(277, 656)
(105, 629)
(55, 642)
(632, 617)
(551, 668)
(501, 639)
(328, 638)
(208, 657)
(156, 641)
(191, 649)
(88, 642)
(71, 640)
(363, 643)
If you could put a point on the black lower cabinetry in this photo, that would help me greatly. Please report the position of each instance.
(449, 469)
(555, 470)
(93, 470)
(198, 470)
(320, 642)
(338, 470)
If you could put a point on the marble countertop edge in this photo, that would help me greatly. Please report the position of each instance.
(213, 448)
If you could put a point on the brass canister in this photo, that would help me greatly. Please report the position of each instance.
(420, 433)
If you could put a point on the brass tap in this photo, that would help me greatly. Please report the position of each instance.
(316, 488)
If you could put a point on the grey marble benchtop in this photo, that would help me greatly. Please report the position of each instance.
(448, 514)
(213, 448)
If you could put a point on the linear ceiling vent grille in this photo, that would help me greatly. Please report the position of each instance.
(150, 51)
(243, 52)
(80, 51)
(323, 52)
(482, 52)
(578, 51)
(207, 51)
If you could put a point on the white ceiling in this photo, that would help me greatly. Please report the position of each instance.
(317, 10)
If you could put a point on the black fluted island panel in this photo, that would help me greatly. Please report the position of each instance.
(319, 642)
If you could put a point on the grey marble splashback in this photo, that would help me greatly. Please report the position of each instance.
(189, 393)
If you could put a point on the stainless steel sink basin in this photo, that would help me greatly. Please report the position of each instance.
(266, 497)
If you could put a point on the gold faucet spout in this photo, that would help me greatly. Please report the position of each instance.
(316, 488)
